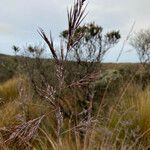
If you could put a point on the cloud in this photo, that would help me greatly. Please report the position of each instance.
(121, 11)
(20, 19)
(5, 29)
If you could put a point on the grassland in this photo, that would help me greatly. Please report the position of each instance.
(120, 117)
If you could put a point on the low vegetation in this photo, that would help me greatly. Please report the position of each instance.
(118, 122)
(73, 100)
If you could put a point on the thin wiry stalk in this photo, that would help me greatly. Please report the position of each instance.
(84, 81)
(125, 42)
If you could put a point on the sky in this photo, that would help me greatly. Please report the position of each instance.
(20, 19)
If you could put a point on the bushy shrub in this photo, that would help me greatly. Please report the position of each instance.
(111, 81)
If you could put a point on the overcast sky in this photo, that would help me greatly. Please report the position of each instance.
(19, 20)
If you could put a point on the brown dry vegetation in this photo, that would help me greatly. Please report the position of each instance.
(118, 122)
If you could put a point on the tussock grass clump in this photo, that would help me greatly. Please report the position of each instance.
(9, 91)
(143, 108)
(130, 120)
(9, 113)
